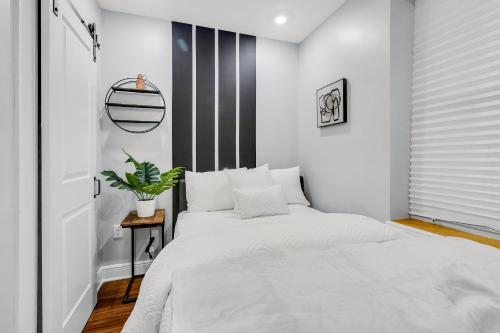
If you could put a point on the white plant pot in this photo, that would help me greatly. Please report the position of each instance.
(146, 208)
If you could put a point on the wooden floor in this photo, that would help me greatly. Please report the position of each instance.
(445, 231)
(110, 313)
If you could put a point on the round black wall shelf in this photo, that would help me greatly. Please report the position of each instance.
(135, 110)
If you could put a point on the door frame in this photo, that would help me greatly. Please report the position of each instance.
(25, 79)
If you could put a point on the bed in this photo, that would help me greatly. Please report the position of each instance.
(198, 222)
(310, 271)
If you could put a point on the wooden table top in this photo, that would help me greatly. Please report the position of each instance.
(132, 220)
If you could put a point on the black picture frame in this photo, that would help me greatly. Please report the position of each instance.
(331, 104)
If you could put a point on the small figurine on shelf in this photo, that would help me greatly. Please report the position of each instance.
(139, 83)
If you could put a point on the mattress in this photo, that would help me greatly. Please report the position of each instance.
(402, 285)
(315, 272)
(303, 229)
(199, 222)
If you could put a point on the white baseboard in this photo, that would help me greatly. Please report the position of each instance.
(120, 271)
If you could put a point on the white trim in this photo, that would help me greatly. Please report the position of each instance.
(413, 231)
(237, 100)
(216, 111)
(193, 48)
(120, 271)
(26, 127)
(9, 196)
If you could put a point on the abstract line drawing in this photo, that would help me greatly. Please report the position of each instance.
(332, 104)
(329, 105)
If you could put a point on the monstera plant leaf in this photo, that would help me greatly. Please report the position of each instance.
(134, 181)
(132, 160)
(116, 181)
(167, 181)
(172, 174)
(146, 182)
(147, 172)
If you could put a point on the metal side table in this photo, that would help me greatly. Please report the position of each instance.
(134, 222)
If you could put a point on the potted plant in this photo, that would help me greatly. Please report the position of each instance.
(146, 183)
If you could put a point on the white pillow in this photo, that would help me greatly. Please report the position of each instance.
(289, 179)
(246, 179)
(249, 178)
(208, 191)
(253, 202)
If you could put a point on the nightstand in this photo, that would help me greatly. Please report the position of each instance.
(134, 222)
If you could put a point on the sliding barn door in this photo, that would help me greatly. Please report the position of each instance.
(68, 167)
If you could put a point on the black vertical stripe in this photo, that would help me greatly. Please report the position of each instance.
(227, 99)
(182, 97)
(247, 100)
(39, 264)
(205, 99)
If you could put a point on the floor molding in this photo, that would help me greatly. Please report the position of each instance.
(120, 271)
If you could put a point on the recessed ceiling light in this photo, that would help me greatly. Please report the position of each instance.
(280, 19)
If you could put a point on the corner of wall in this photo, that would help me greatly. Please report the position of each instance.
(347, 166)
(401, 52)
(277, 96)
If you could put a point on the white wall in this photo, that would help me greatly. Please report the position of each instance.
(131, 45)
(359, 167)
(401, 39)
(348, 167)
(277, 85)
(8, 168)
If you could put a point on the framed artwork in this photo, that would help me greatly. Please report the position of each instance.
(332, 104)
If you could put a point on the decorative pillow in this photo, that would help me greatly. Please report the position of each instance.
(253, 202)
(251, 178)
(208, 191)
(289, 179)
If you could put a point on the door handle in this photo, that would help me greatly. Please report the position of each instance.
(98, 181)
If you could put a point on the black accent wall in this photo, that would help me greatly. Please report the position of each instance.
(210, 43)
(182, 95)
(248, 93)
(205, 99)
(227, 99)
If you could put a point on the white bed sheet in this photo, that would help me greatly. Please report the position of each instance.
(204, 221)
(404, 285)
(286, 273)
(282, 233)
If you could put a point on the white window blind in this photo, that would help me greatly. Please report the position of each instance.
(455, 145)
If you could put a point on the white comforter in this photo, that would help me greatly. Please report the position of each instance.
(329, 273)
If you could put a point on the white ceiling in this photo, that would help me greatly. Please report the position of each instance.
(254, 17)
